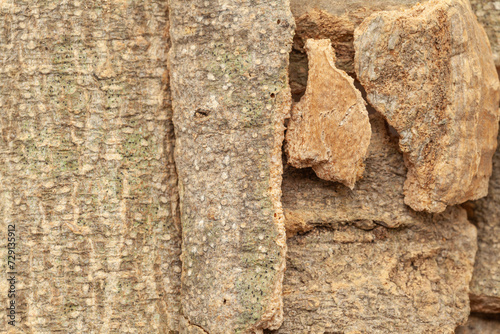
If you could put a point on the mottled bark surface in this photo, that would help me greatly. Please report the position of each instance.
(329, 129)
(485, 285)
(429, 71)
(229, 63)
(86, 166)
(352, 274)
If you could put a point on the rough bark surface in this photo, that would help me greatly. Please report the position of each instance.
(479, 324)
(229, 70)
(86, 166)
(352, 274)
(329, 129)
(485, 285)
(429, 71)
(377, 199)
(337, 19)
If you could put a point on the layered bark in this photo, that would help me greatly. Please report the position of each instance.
(230, 95)
(429, 71)
(329, 128)
(351, 274)
(86, 166)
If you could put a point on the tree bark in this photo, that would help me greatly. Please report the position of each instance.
(86, 166)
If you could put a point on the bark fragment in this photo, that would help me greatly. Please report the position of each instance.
(429, 71)
(485, 285)
(329, 129)
(309, 201)
(352, 274)
(229, 65)
(86, 166)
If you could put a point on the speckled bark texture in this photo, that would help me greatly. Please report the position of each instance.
(329, 129)
(352, 274)
(429, 71)
(229, 63)
(479, 324)
(86, 166)
(488, 14)
(485, 285)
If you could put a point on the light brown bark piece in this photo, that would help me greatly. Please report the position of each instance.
(429, 71)
(376, 200)
(329, 129)
(86, 167)
(485, 285)
(352, 274)
(229, 71)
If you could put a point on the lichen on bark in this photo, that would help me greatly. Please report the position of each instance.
(230, 91)
(86, 166)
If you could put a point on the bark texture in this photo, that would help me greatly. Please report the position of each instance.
(479, 324)
(378, 198)
(229, 65)
(329, 129)
(86, 166)
(429, 71)
(337, 19)
(485, 285)
(352, 274)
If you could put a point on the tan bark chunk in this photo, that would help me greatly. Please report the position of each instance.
(485, 285)
(378, 197)
(329, 129)
(429, 71)
(351, 274)
(229, 71)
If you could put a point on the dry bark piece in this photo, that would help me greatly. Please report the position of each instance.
(229, 63)
(480, 324)
(347, 275)
(329, 129)
(429, 71)
(485, 285)
(378, 197)
(86, 167)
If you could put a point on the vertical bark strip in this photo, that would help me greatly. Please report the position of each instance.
(230, 95)
(86, 166)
